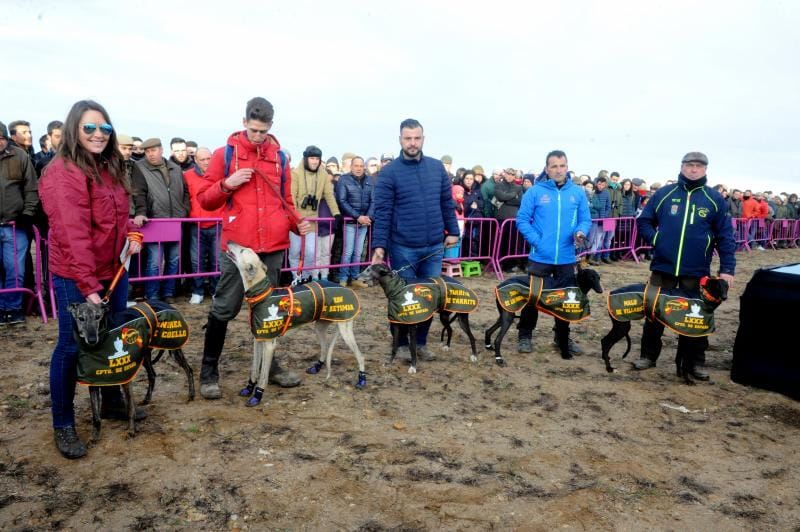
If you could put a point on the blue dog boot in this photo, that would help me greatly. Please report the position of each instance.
(247, 391)
(313, 370)
(362, 380)
(256, 399)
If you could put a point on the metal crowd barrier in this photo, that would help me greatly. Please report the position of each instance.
(36, 291)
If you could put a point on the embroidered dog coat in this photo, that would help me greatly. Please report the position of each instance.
(273, 311)
(688, 314)
(416, 301)
(117, 358)
(567, 303)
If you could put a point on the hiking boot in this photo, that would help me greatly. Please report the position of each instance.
(282, 377)
(524, 345)
(14, 317)
(700, 374)
(196, 299)
(606, 260)
(210, 391)
(425, 354)
(68, 443)
(169, 300)
(572, 348)
(644, 363)
(120, 412)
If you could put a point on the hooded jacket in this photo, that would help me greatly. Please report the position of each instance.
(413, 204)
(684, 222)
(89, 224)
(253, 214)
(549, 217)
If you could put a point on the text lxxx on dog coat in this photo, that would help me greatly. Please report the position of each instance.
(567, 303)
(117, 358)
(273, 311)
(420, 298)
(688, 314)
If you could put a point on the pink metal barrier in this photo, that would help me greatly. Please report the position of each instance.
(741, 228)
(623, 239)
(783, 230)
(762, 231)
(322, 248)
(36, 292)
(510, 245)
(478, 242)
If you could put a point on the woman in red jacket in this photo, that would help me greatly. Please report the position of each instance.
(84, 192)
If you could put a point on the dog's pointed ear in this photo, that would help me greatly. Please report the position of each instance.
(723, 289)
(73, 308)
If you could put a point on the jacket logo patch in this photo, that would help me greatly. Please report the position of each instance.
(702, 212)
(545, 198)
(674, 210)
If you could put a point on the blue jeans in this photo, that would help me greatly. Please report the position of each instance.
(64, 361)
(170, 252)
(425, 262)
(205, 257)
(14, 243)
(354, 235)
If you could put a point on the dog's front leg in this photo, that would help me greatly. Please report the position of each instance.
(255, 369)
(180, 358)
(96, 400)
(151, 374)
(267, 351)
(463, 322)
(126, 393)
(447, 330)
(321, 328)
(412, 346)
(395, 330)
(506, 319)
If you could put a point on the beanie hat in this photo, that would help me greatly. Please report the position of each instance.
(332, 160)
(3, 130)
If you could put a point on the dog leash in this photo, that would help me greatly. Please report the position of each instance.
(412, 265)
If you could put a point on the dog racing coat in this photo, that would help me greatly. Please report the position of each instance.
(686, 314)
(117, 358)
(567, 303)
(273, 311)
(417, 300)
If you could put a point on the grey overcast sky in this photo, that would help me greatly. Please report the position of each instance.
(619, 85)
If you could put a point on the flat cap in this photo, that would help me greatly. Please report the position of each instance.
(695, 157)
(124, 140)
(151, 143)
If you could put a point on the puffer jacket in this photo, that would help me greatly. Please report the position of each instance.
(17, 185)
(155, 197)
(253, 214)
(549, 217)
(683, 222)
(194, 182)
(355, 197)
(89, 224)
(317, 184)
(413, 204)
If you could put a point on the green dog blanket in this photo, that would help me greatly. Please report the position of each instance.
(566, 303)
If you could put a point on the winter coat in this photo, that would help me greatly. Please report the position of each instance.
(473, 195)
(355, 196)
(157, 197)
(17, 185)
(628, 204)
(750, 208)
(413, 204)
(487, 193)
(510, 194)
(600, 206)
(89, 224)
(253, 214)
(549, 217)
(194, 181)
(615, 197)
(683, 222)
(317, 184)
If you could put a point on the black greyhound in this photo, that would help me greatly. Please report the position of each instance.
(395, 286)
(587, 280)
(92, 326)
(628, 305)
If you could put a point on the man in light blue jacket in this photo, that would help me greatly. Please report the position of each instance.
(553, 216)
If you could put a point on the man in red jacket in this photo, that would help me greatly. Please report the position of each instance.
(255, 193)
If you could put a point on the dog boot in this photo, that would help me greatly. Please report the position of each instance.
(68, 443)
(315, 368)
(247, 391)
(362, 380)
(256, 399)
(282, 377)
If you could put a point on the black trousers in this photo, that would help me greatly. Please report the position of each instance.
(693, 347)
(563, 275)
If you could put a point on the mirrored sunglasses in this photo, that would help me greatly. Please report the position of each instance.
(90, 127)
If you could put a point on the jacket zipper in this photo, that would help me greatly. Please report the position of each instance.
(683, 231)
(558, 225)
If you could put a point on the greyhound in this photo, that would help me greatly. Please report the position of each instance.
(520, 288)
(273, 312)
(627, 303)
(395, 286)
(92, 327)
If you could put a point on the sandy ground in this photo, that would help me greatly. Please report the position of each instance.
(542, 444)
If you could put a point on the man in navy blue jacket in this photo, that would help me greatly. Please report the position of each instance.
(414, 210)
(684, 222)
(553, 216)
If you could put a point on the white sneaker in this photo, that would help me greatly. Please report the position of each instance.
(196, 299)
(760, 248)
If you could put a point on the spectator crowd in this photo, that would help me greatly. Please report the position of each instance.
(166, 185)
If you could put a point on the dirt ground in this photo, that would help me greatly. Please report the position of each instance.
(544, 443)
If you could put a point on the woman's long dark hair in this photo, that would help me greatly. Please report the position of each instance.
(71, 150)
